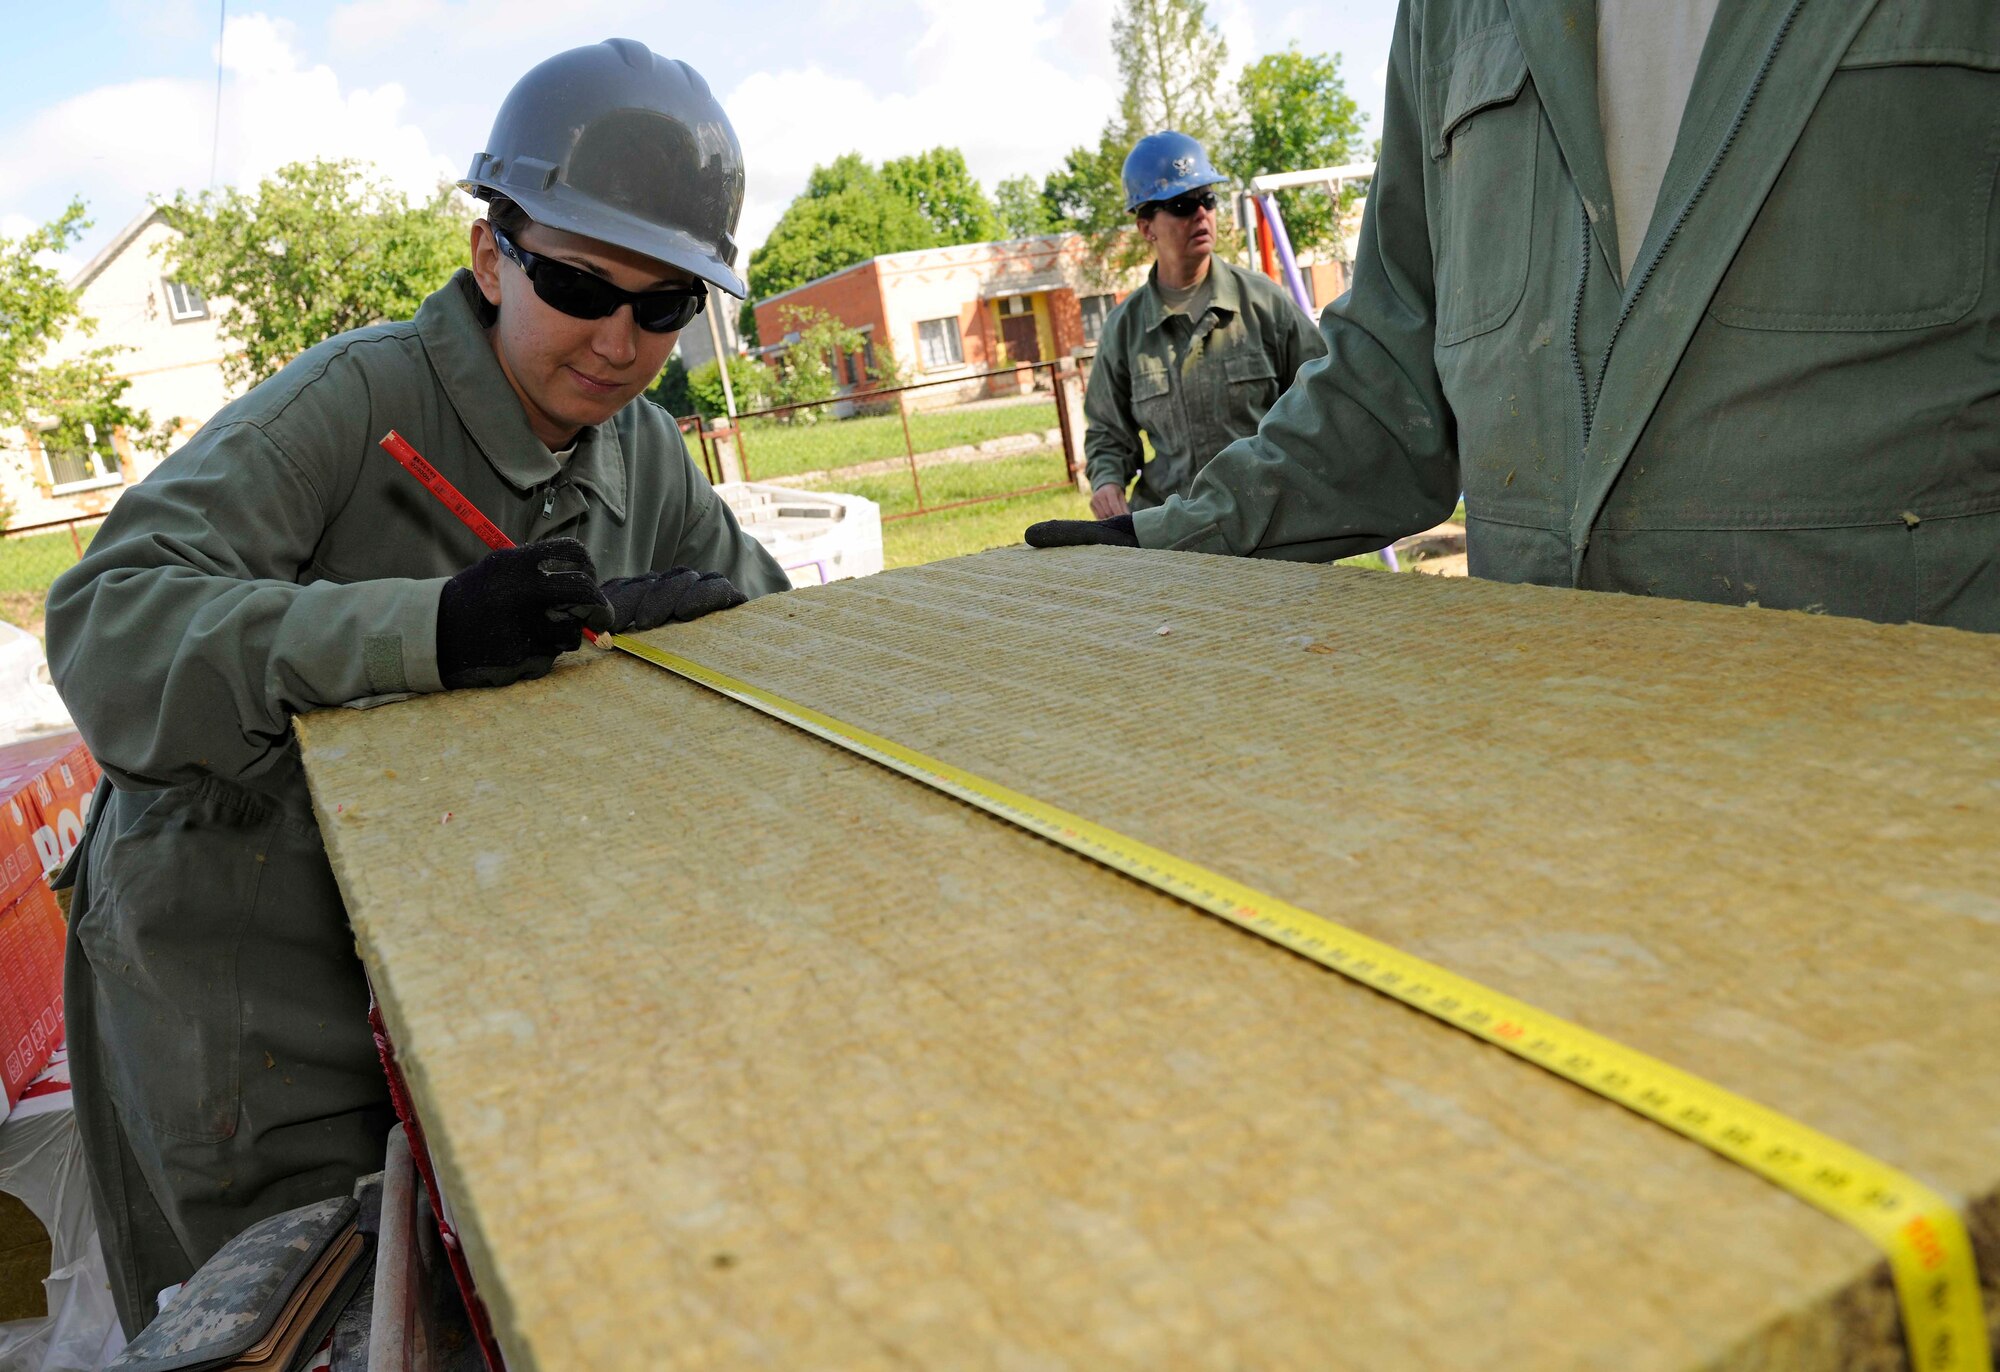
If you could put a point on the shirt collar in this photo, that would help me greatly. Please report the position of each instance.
(1224, 294)
(452, 325)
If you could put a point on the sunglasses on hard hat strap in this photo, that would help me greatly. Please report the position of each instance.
(582, 295)
(1184, 206)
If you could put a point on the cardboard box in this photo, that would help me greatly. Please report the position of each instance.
(46, 786)
(31, 975)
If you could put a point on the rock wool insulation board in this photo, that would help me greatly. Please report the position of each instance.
(737, 1051)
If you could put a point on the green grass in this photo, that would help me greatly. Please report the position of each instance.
(975, 528)
(971, 528)
(776, 449)
(952, 482)
(27, 567)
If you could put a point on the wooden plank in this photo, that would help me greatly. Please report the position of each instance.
(737, 1051)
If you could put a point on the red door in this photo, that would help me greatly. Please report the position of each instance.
(1017, 331)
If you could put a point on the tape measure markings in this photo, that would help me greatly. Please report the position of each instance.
(1930, 1255)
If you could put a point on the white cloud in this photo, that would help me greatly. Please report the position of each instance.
(15, 226)
(1014, 97)
(164, 19)
(118, 145)
(276, 109)
(1238, 27)
(117, 141)
(366, 26)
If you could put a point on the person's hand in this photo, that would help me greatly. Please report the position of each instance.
(508, 616)
(1077, 533)
(1108, 502)
(651, 599)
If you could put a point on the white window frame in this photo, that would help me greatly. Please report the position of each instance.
(955, 338)
(184, 303)
(98, 459)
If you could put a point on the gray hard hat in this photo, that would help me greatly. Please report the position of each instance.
(621, 145)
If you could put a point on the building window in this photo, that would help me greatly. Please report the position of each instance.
(1096, 308)
(184, 302)
(937, 339)
(78, 460)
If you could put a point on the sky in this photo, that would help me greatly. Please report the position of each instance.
(115, 101)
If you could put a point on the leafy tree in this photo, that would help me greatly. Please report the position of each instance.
(805, 369)
(941, 187)
(847, 213)
(1170, 59)
(1297, 114)
(37, 310)
(670, 390)
(320, 248)
(1022, 210)
(852, 210)
(1086, 194)
(754, 384)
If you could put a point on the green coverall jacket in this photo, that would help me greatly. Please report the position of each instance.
(1794, 401)
(277, 563)
(1194, 386)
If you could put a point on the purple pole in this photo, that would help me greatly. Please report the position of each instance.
(1287, 263)
(1296, 284)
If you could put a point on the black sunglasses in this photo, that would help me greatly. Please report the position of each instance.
(581, 295)
(1184, 206)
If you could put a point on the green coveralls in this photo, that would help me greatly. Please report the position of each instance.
(277, 563)
(1194, 386)
(1796, 399)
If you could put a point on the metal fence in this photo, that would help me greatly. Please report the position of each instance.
(1019, 432)
(32, 556)
(915, 450)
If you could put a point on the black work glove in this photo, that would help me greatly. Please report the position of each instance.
(1116, 532)
(651, 599)
(508, 616)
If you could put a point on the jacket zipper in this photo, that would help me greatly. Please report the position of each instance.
(1583, 393)
(1638, 287)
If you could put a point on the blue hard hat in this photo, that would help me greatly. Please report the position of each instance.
(1164, 165)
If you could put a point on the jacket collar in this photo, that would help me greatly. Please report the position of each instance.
(452, 326)
(1225, 294)
(1560, 43)
(598, 466)
(1714, 212)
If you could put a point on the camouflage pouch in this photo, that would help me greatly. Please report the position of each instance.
(265, 1301)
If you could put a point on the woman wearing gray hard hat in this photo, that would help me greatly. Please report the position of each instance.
(279, 562)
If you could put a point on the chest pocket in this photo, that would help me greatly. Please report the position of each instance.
(1882, 216)
(1253, 387)
(1483, 135)
(1153, 399)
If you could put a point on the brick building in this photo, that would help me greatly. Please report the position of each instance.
(958, 312)
(963, 311)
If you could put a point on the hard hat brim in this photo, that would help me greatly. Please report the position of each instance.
(1162, 192)
(561, 207)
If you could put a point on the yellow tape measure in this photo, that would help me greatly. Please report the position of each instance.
(1929, 1253)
